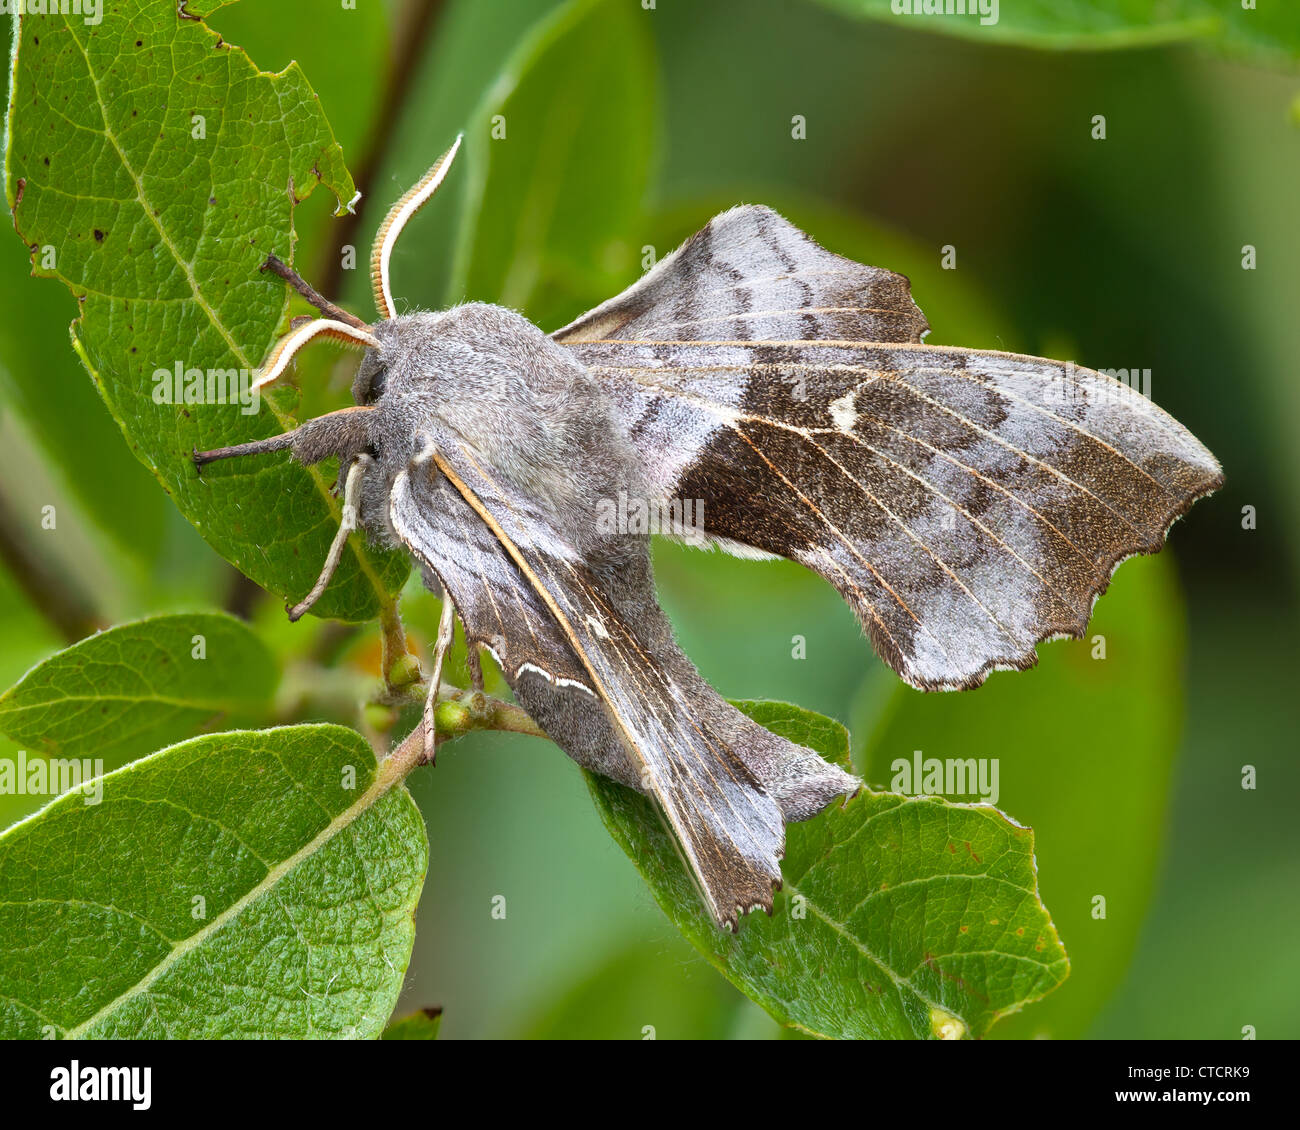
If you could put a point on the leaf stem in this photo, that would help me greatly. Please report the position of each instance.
(393, 648)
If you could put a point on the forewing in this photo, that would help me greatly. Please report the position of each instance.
(497, 605)
(731, 832)
(968, 504)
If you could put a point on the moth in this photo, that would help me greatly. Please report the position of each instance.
(967, 504)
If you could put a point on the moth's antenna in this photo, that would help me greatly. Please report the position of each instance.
(311, 294)
(284, 350)
(398, 215)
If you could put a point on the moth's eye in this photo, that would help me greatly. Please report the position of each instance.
(370, 380)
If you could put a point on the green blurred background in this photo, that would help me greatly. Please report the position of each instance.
(1117, 253)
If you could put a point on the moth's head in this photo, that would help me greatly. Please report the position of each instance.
(380, 339)
(400, 343)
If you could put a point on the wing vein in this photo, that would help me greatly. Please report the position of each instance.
(839, 534)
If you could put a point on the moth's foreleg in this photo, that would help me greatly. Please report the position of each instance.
(351, 507)
(257, 447)
(446, 633)
(342, 433)
(310, 293)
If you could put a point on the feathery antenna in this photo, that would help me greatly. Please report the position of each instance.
(412, 201)
(277, 361)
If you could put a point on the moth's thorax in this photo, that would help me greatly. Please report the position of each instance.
(524, 406)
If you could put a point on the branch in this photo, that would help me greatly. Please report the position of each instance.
(474, 710)
(456, 716)
(461, 710)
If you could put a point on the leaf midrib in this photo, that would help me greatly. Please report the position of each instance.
(94, 696)
(901, 983)
(386, 776)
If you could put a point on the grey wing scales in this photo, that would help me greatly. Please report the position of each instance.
(750, 274)
(498, 607)
(724, 784)
(503, 612)
(968, 504)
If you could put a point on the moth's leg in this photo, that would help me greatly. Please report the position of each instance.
(309, 292)
(336, 433)
(474, 660)
(351, 506)
(446, 633)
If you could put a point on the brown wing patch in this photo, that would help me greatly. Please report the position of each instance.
(968, 504)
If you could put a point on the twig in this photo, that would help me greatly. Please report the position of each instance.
(461, 710)
(477, 712)
(495, 714)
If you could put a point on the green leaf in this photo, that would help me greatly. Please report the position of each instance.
(1085, 749)
(899, 917)
(551, 205)
(27, 637)
(422, 1025)
(249, 884)
(139, 686)
(346, 41)
(803, 727)
(43, 382)
(159, 233)
(1269, 32)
